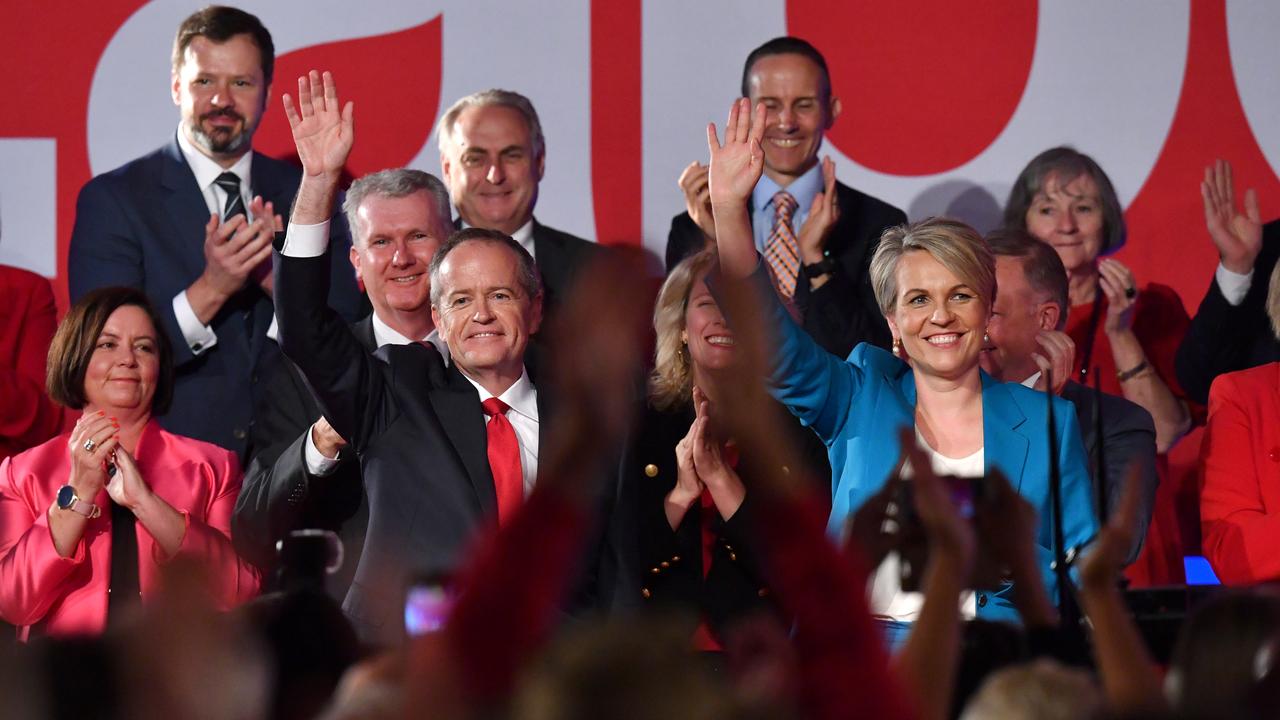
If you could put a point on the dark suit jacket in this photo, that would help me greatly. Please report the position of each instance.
(671, 567)
(843, 312)
(279, 495)
(1223, 338)
(142, 225)
(1129, 437)
(419, 432)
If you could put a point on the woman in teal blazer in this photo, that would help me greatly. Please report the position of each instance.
(935, 282)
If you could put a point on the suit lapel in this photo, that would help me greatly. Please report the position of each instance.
(184, 207)
(458, 407)
(1004, 440)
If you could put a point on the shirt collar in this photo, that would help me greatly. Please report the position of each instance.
(1031, 381)
(384, 334)
(803, 189)
(521, 397)
(523, 235)
(206, 170)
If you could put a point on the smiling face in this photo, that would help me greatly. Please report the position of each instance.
(706, 332)
(484, 314)
(939, 319)
(1019, 314)
(120, 377)
(222, 93)
(491, 169)
(798, 109)
(396, 239)
(1070, 218)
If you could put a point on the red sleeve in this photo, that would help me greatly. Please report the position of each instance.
(510, 592)
(27, 416)
(1240, 535)
(32, 573)
(844, 667)
(234, 580)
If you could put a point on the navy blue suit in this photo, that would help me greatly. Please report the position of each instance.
(142, 225)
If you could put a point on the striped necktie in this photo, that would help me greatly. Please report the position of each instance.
(230, 183)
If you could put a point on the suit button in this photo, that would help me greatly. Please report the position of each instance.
(197, 347)
(675, 558)
(239, 433)
(651, 470)
(786, 470)
(1274, 454)
(644, 592)
(664, 564)
(982, 600)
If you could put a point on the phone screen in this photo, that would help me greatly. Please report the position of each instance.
(426, 608)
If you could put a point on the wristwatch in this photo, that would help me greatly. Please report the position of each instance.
(825, 266)
(67, 500)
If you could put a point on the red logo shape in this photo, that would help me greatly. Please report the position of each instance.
(936, 96)
(394, 80)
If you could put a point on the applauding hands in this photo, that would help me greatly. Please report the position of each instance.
(701, 464)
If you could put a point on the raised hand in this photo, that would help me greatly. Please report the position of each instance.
(697, 197)
(1238, 236)
(949, 534)
(736, 165)
(1056, 361)
(322, 133)
(823, 215)
(1120, 287)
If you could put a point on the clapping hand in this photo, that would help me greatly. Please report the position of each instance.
(1120, 287)
(126, 487)
(322, 133)
(823, 215)
(1238, 236)
(1056, 362)
(697, 197)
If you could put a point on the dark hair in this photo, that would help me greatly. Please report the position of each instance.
(77, 337)
(787, 45)
(220, 23)
(1066, 164)
(1040, 263)
(528, 276)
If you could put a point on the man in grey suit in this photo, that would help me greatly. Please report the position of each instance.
(1025, 345)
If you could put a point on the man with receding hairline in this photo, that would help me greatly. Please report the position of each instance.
(814, 234)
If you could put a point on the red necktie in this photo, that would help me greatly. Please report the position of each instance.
(781, 250)
(504, 459)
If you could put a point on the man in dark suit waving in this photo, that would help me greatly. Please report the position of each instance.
(442, 450)
(816, 235)
(191, 224)
(493, 156)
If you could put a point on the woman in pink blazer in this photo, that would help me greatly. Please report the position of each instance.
(1240, 495)
(59, 500)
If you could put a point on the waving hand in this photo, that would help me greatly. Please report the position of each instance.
(322, 132)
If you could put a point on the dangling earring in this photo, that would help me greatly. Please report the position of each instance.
(897, 346)
(986, 339)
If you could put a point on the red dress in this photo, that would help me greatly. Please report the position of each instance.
(1159, 322)
(68, 596)
(1240, 500)
(27, 320)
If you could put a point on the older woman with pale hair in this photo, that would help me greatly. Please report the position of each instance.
(1240, 494)
(695, 547)
(935, 283)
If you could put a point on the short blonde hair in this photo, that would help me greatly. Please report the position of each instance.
(671, 382)
(958, 247)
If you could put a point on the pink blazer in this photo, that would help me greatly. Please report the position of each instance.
(45, 593)
(1240, 496)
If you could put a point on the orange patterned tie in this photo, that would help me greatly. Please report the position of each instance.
(781, 251)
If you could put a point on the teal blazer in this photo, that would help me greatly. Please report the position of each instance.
(857, 407)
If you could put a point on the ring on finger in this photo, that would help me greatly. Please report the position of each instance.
(89, 445)
(1131, 292)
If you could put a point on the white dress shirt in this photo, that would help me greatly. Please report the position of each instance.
(1233, 285)
(524, 236)
(522, 398)
(198, 336)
